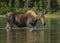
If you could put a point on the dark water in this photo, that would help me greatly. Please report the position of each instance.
(51, 33)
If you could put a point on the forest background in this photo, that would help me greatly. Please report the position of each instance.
(52, 6)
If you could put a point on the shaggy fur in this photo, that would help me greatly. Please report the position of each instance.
(22, 19)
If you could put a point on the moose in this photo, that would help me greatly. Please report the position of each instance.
(27, 19)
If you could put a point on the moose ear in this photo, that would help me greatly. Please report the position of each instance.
(44, 13)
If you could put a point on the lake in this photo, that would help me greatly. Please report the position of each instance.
(51, 33)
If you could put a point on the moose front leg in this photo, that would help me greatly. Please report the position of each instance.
(8, 27)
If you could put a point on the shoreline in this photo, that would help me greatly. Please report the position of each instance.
(47, 16)
(52, 16)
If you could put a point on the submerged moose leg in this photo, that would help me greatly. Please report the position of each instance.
(30, 25)
(33, 28)
(8, 27)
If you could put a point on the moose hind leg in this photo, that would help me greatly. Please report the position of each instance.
(8, 27)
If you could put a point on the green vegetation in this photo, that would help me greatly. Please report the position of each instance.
(51, 6)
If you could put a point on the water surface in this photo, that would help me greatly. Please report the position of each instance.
(51, 33)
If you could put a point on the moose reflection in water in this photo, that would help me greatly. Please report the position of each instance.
(28, 19)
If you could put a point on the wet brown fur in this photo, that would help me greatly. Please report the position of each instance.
(22, 19)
